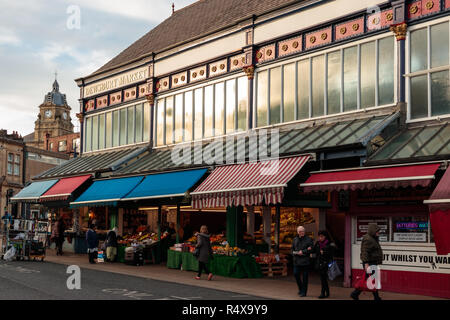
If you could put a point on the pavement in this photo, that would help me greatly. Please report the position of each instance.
(276, 288)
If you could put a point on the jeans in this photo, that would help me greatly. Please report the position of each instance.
(201, 266)
(299, 272)
(324, 281)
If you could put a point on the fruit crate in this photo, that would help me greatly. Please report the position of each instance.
(274, 268)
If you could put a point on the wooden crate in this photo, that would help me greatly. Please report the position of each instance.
(274, 268)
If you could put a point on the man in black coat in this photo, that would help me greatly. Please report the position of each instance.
(301, 249)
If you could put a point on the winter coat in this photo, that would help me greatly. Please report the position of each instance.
(302, 244)
(325, 258)
(371, 251)
(204, 245)
(111, 239)
(61, 227)
(91, 238)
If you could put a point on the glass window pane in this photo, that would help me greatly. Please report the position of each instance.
(318, 85)
(88, 131)
(416, 143)
(261, 108)
(109, 132)
(123, 126)
(350, 79)
(198, 114)
(439, 45)
(160, 138)
(101, 139)
(275, 95)
(231, 106)
(334, 82)
(242, 103)
(392, 146)
(220, 108)
(434, 145)
(209, 106)
(440, 93)
(419, 54)
(188, 116)
(147, 118)
(386, 70)
(303, 89)
(169, 120)
(138, 124)
(130, 120)
(410, 229)
(289, 92)
(368, 73)
(116, 128)
(419, 97)
(178, 118)
(94, 133)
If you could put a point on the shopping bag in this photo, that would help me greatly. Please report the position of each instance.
(10, 254)
(333, 271)
(196, 252)
(361, 282)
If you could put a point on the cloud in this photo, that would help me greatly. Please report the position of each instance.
(8, 37)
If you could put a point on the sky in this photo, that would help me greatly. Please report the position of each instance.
(70, 37)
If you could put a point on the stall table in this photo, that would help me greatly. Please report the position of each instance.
(228, 266)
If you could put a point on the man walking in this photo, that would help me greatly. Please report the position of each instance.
(371, 256)
(301, 250)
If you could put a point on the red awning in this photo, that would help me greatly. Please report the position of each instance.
(247, 184)
(64, 188)
(371, 178)
(439, 204)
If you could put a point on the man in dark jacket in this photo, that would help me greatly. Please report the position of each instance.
(301, 249)
(371, 255)
(92, 243)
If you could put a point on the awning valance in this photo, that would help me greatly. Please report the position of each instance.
(32, 192)
(439, 204)
(248, 183)
(371, 178)
(167, 184)
(64, 188)
(106, 192)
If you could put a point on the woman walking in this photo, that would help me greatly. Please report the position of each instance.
(205, 251)
(324, 256)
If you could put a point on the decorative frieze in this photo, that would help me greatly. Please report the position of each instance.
(421, 8)
(115, 98)
(163, 84)
(89, 106)
(218, 68)
(237, 62)
(129, 94)
(400, 31)
(197, 74)
(381, 20)
(179, 79)
(349, 29)
(290, 46)
(102, 102)
(143, 90)
(318, 38)
(249, 71)
(447, 4)
(266, 53)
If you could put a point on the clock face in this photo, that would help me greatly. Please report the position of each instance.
(65, 115)
(48, 113)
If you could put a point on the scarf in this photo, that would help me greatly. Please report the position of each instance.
(322, 244)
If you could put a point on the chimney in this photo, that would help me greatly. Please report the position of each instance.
(173, 7)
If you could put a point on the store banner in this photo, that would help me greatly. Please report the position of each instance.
(440, 224)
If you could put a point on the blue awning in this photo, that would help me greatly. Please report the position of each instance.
(168, 184)
(106, 192)
(33, 191)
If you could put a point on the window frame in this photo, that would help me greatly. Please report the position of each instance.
(409, 75)
(325, 52)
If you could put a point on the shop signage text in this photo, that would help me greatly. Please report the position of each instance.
(121, 80)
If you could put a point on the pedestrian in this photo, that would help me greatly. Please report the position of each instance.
(324, 251)
(205, 251)
(371, 256)
(301, 250)
(111, 244)
(92, 243)
(60, 227)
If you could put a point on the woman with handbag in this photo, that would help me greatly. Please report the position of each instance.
(324, 256)
(203, 251)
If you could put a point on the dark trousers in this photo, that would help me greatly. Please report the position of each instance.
(299, 273)
(59, 245)
(202, 266)
(92, 257)
(324, 281)
(357, 292)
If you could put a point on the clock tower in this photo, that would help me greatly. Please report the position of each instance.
(53, 118)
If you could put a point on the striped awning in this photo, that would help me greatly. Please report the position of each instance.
(247, 184)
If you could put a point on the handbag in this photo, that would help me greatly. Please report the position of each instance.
(196, 252)
(333, 270)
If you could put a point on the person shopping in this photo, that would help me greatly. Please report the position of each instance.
(324, 256)
(205, 251)
(92, 243)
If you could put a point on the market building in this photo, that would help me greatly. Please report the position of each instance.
(354, 100)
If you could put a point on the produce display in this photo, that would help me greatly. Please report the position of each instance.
(141, 237)
(219, 245)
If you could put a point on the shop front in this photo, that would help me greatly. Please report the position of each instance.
(393, 198)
